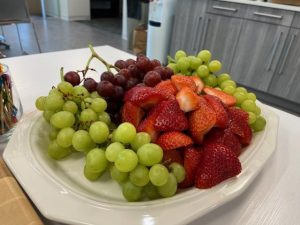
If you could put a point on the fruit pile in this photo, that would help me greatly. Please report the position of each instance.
(152, 130)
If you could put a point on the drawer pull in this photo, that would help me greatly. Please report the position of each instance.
(267, 15)
(224, 8)
(274, 51)
(287, 53)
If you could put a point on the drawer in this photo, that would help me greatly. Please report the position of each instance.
(270, 15)
(296, 21)
(226, 8)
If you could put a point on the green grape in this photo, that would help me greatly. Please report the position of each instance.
(151, 191)
(90, 175)
(99, 132)
(229, 90)
(88, 116)
(203, 71)
(118, 175)
(194, 62)
(227, 83)
(86, 103)
(64, 137)
(179, 54)
(248, 105)
(82, 141)
(169, 188)
(53, 134)
(126, 160)
(95, 160)
(113, 150)
(150, 154)
(66, 88)
(240, 97)
(215, 66)
(70, 106)
(99, 105)
(251, 96)
(218, 88)
(125, 133)
(211, 80)
(47, 114)
(53, 102)
(173, 66)
(204, 55)
(259, 124)
(55, 91)
(257, 111)
(104, 117)
(140, 139)
(62, 119)
(241, 89)
(40, 103)
(95, 94)
(183, 64)
(222, 77)
(56, 152)
(252, 118)
(178, 171)
(139, 176)
(80, 93)
(113, 136)
(131, 192)
(158, 174)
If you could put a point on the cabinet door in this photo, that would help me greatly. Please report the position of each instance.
(221, 34)
(286, 81)
(257, 53)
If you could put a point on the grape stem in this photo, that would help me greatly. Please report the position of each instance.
(62, 74)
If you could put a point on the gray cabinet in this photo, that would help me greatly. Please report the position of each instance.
(286, 81)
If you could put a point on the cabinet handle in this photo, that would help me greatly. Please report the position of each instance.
(196, 34)
(287, 53)
(274, 51)
(267, 15)
(205, 32)
(224, 8)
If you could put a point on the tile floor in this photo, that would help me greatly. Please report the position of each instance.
(55, 35)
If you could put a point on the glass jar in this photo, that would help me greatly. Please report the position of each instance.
(10, 104)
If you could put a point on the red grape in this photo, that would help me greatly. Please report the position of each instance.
(152, 78)
(72, 77)
(90, 84)
(140, 85)
(143, 63)
(169, 73)
(130, 62)
(108, 76)
(126, 73)
(121, 64)
(131, 83)
(120, 80)
(105, 89)
(133, 70)
(154, 63)
(119, 93)
(112, 107)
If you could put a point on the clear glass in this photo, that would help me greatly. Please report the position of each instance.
(10, 104)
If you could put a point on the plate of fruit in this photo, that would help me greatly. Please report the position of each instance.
(147, 144)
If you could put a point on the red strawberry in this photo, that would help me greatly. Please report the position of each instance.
(199, 83)
(188, 100)
(173, 139)
(218, 164)
(226, 137)
(170, 117)
(167, 89)
(180, 81)
(221, 113)
(224, 97)
(147, 125)
(201, 121)
(238, 125)
(172, 156)
(132, 113)
(144, 97)
(192, 160)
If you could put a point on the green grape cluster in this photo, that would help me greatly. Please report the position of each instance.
(208, 71)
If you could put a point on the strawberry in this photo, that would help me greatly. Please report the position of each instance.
(173, 139)
(172, 156)
(132, 113)
(180, 81)
(224, 97)
(201, 121)
(218, 164)
(221, 113)
(188, 100)
(226, 137)
(170, 117)
(192, 160)
(144, 97)
(199, 83)
(238, 125)
(167, 89)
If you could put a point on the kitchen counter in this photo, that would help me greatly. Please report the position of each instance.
(266, 4)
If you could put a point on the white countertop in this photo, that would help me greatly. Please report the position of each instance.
(266, 4)
(273, 197)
